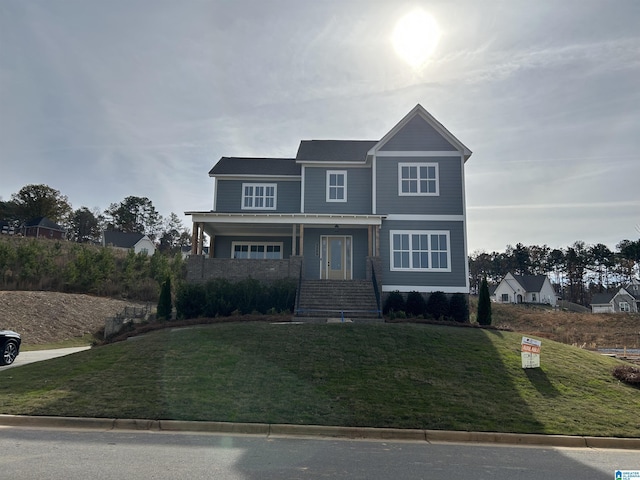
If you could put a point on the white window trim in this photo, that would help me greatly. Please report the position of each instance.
(419, 232)
(262, 244)
(624, 307)
(336, 172)
(254, 185)
(418, 193)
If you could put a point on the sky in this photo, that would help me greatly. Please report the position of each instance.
(107, 99)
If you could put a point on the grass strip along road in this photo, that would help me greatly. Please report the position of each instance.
(377, 375)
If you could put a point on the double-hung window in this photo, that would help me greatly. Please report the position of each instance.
(418, 179)
(258, 196)
(625, 307)
(420, 250)
(336, 185)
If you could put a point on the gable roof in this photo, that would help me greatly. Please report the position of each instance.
(602, 298)
(43, 222)
(530, 283)
(255, 166)
(435, 124)
(121, 239)
(334, 150)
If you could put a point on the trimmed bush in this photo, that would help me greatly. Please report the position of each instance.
(458, 308)
(394, 303)
(190, 301)
(437, 306)
(415, 305)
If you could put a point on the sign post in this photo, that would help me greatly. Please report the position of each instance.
(530, 352)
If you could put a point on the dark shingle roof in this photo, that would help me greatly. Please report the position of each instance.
(602, 298)
(43, 222)
(531, 283)
(334, 150)
(255, 166)
(121, 239)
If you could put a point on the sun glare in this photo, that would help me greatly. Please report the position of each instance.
(415, 37)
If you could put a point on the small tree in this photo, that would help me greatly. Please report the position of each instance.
(164, 302)
(484, 304)
(458, 308)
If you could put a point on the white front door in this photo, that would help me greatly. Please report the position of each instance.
(335, 257)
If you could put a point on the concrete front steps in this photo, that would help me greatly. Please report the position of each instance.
(337, 300)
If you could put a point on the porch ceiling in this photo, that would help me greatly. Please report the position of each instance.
(216, 223)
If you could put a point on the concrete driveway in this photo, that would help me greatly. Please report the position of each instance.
(40, 355)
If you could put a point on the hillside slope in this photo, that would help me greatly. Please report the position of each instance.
(50, 317)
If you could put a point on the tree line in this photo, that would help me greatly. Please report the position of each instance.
(578, 271)
(83, 225)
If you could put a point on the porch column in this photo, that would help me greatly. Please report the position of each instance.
(302, 240)
(377, 228)
(211, 243)
(194, 239)
(370, 240)
(294, 250)
(200, 238)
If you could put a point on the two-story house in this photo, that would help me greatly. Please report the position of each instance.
(388, 214)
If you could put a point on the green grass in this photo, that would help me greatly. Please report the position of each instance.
(382, 375)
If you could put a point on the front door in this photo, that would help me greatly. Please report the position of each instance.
(335, 258)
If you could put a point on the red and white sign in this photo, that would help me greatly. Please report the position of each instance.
(530, 352)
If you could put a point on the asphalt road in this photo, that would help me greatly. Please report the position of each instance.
(29, 453)
(40, 355)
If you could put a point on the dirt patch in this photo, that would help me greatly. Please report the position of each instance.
(51, 317)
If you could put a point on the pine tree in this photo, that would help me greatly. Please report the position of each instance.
(164, 302)
(484, 304)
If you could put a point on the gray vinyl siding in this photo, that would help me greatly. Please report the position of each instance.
(222, 245)
(456, 278)
(448, 202)
(358, 191)
(417, 135)
(312, 250)
(229, 196)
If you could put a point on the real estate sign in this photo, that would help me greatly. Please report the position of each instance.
(530, 352)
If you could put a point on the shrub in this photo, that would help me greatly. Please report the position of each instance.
(393, 303)
(627, 374)
(190, 301)
(458, 308)
(437, 305)
(415, 304)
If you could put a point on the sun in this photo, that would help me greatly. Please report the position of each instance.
(415, 37)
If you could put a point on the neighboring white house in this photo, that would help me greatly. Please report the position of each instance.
(525, 289)
(138, 242)
(625, 300)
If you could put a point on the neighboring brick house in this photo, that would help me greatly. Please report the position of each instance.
(138, 242)
(389, 212)
(525, 289)
(42, 227)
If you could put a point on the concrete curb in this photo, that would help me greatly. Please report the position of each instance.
(321, 431)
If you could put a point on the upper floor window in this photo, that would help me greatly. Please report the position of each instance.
(258, 196)
(420, 250)
(418, 179)
(625, 307)
(336, 185)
